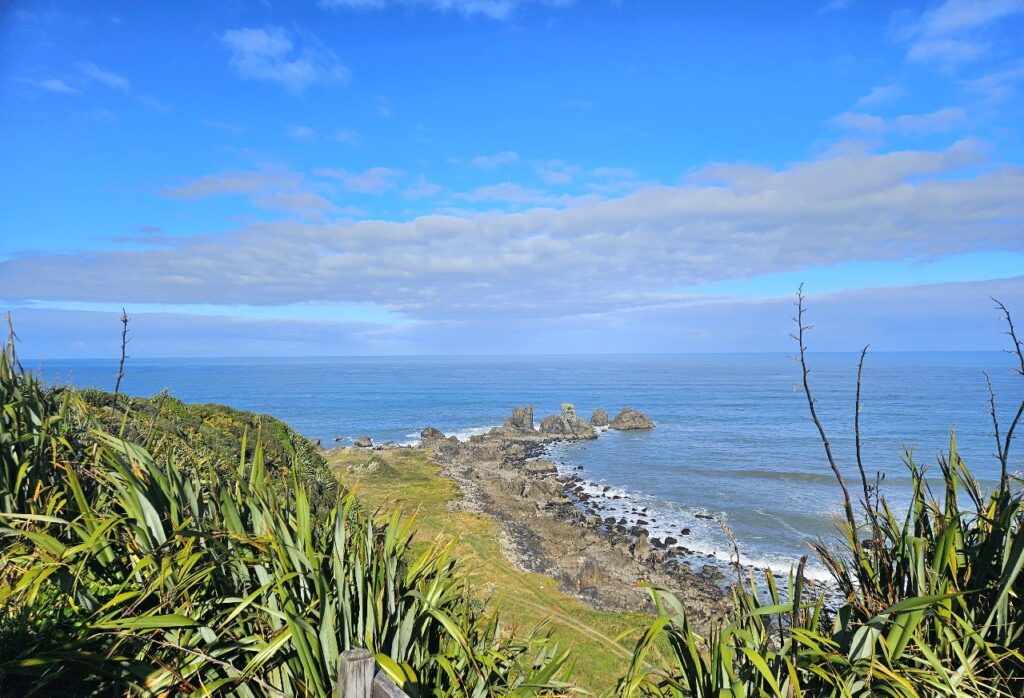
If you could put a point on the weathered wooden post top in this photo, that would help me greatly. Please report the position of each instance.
(359, 677)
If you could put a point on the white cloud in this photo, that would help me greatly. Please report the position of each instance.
(512, 193)
(422, 188)
(940, 121)
(272, 188)
(55, 85)
(959, 15)
(269, 54)
(952, 33)
(106, 77)
(949, 51)
(490, 162)
(880, 95)
(998, 85)
(493, 9)
(561, 256)
(375, 180)
(556, 171)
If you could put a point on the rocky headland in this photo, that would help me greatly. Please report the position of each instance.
(552, 525)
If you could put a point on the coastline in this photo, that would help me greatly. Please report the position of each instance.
(550, 523)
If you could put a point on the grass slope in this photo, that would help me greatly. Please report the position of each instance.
(406, 479)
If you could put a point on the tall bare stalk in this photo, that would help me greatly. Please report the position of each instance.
(801, 328)
(124, 347)
(1003, 446)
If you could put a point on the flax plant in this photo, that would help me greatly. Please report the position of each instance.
(929, 602)
(125, 574)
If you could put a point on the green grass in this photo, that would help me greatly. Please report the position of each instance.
(407, 480)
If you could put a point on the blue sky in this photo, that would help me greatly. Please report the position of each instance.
(493, 176)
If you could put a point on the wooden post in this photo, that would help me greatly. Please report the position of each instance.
(355, 674)
(383, 687)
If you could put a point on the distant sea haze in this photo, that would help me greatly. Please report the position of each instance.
(733, 435)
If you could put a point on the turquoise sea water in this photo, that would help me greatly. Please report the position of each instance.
(733, 434)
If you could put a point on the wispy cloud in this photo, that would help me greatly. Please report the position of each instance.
(106, 77)
(880, 95)
(556, 171)
(275, 188)
(952, 32)
(54, 85)
(375, 180)
(490, 162)
(999, 85)
(512, 193)
(270, 55)
(493, 9)
(939, 121)
(422, 188)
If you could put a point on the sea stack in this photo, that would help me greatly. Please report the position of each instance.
(630, 419)
(521, 419)
(567, 425)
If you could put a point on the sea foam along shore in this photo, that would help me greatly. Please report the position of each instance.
(699, 531)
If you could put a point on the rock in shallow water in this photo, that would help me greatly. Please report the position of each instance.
(431, 433)
(521, 419)
(567, 425)
(363, 441)
(629, 419)
(599, 418)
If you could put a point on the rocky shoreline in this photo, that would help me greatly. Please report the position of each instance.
(552, 525)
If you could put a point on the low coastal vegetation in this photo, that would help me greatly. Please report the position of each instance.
(149, 547)
(128, 574)
(930, 600)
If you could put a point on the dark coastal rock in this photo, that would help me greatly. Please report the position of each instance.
(630, 419)
(430, 434)
(447, 450)
(521, 419)
(599, 418)
(363, 441)
(641, 548)
(567, 425)
(540, 467)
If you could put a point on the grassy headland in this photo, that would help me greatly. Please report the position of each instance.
(407, 480)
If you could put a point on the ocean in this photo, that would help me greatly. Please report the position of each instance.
(733, 437)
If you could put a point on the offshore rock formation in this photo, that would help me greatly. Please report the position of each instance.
(567, 425)
(599, 418)
(630, 419)
(521, 419)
